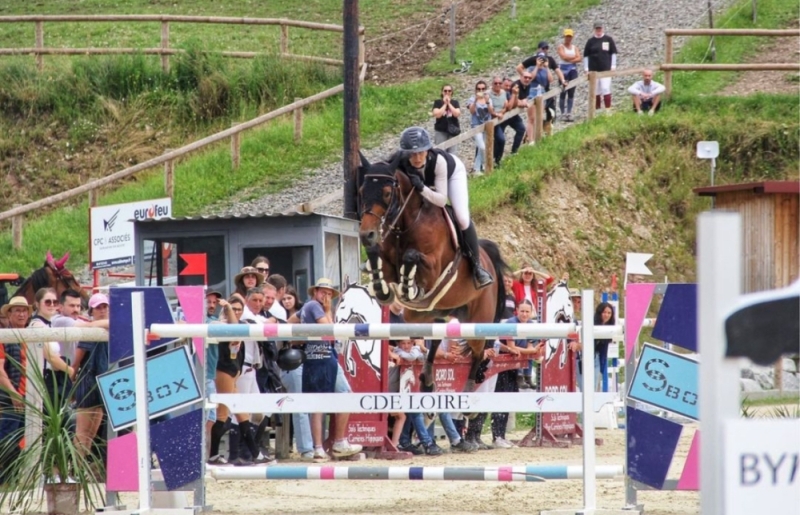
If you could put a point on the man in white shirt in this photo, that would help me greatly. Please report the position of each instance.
(646, 94)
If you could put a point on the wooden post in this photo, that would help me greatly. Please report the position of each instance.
(538, 123)
(513, 9)
(16, 229)
(93, 194)
(284, 39)
(283, 441)
(165, 46)
(488, 139)
(711, 26)
(236, 148)
(453, 33)
(39, 44)
(668, 73)
(298, 123)
(362, 50)
(592, 93)
(169, 176)
(755, 11)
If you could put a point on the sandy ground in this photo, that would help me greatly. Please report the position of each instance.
(443, 498)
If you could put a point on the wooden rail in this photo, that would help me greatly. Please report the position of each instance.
(39, 50)
(668, 67)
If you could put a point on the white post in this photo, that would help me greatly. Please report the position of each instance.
(719, 280)
(142, 408)
(587, 338)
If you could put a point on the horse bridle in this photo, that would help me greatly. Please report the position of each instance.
(392, 228)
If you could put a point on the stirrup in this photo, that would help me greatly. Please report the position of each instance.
(479, 271)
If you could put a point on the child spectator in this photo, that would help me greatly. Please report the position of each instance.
(511, 301)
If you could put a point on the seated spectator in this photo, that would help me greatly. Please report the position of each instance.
(646, 94)
(446, 112)
(481, 111)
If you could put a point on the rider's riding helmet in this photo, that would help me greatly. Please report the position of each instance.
(415, 139)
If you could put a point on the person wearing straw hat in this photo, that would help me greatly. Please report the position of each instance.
(321, 368)
(13, 362)
(248, 277)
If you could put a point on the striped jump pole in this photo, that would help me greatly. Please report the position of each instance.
(222, 332)
(529, 473)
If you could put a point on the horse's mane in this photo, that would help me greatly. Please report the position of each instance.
(38, 279)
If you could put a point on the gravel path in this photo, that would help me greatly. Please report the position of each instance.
(637, 28)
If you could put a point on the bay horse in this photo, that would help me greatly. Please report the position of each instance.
(413, 257)
(52, 274)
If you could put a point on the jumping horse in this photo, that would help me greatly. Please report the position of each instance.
(413, 256)
(53, 274)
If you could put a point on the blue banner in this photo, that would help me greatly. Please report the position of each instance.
(171, 385)
(666, 380)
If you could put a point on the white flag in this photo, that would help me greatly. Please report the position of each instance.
(635, 263)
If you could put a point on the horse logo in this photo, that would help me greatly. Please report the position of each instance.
(357, 306)
(559, 311)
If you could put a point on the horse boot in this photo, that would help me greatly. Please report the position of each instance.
(481, 277)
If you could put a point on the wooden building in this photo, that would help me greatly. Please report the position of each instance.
(771, 223)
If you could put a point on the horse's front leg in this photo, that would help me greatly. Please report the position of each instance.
(410, 270)
(426, 383)
(379, 282)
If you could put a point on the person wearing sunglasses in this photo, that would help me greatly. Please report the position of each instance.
(481, 111)
(261, 264)
(498, 98)
(446, 111)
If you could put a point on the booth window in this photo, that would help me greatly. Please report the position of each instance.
(161, 262)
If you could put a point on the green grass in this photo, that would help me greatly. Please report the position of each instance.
(491, 42)
(772, 401)
(772, 14)
(374, 15)
(270, 158)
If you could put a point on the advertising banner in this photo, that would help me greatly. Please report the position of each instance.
(111, 230)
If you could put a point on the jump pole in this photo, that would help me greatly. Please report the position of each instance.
(524, 473)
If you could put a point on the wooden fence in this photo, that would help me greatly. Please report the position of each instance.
(165, 51)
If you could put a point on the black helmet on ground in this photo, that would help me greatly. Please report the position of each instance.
(415, 139)
(289, 358)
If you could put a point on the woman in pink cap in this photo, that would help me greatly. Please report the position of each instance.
(92, 360)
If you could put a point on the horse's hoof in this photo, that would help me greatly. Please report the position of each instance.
(424, 387)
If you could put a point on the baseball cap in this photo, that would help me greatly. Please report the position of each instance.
(598, 25)
(541, 55)
(97, 299)
(569, 32)
(543, 44)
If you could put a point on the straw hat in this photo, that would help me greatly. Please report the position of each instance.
(16, 302)
(323, 282)
(249, 270)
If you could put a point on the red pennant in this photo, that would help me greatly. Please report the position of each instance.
(195, 265)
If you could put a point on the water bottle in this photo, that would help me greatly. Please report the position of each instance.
(539, 90)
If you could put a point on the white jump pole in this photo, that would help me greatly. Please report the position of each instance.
(589, 461)
(142, 407)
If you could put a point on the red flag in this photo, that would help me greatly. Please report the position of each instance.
(195, 265)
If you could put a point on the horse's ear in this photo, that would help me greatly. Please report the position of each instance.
(49, 259)
(364, 163)
(61, 262)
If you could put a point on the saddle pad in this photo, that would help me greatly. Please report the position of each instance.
(451, 223)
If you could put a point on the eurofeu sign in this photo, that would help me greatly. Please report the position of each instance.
(111, 230)
(171, 385)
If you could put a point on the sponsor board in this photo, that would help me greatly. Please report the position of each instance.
(171, 385)
(111, 230)
(666, 380)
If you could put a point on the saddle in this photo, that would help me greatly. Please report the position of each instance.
(457, 238)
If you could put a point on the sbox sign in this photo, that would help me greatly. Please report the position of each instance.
(171, 385)
(111, 230)
(666, 380)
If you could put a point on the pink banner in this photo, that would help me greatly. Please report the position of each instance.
(193, 303)
(637, 301)
(690, 477)
(123, 476)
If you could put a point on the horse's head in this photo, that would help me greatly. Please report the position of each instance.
(62, 279)
(375, 191)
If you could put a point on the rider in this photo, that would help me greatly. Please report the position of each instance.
(437, 176)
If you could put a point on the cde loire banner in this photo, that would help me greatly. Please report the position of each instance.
(111, 230)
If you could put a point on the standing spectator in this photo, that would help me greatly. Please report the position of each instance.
(525, 287)
(515, 122)
(276, 309)
(570, 56)
(603, 315)
(261, 264)
(446, 111)
(499, 99)
(481, 111)
(291, 302)
(530, 63)
(542, 78)
(521, 91)
(511, 301)
(212, 304)
(600, 55)
(92, 360)
(321, 367)
(646, 94)
(13, 367)
(249, 277)
(57, 370)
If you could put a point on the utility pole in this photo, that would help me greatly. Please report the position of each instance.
(351, 108)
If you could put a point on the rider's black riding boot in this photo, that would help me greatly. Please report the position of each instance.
(481, 276)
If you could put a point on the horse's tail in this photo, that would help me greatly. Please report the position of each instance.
(500, 268)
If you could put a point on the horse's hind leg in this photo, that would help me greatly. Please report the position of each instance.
(477, 358)
(426, 383)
